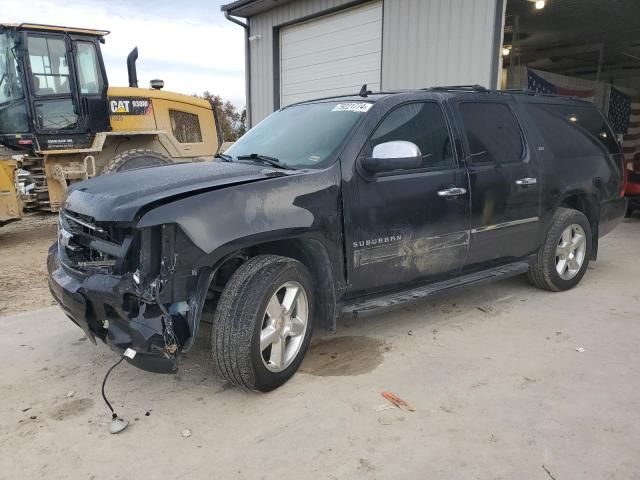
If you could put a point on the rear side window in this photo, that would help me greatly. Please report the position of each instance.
(420, 123)
(573, 131)
(492, 132)
(185, 126)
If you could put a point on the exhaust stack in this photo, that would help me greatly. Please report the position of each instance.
(131, 67)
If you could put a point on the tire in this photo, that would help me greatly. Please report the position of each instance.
(243, 317)
(544, 272)
(135, 158)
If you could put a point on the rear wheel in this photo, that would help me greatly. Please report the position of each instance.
(563, 259)
(263, 322)
(135, 158)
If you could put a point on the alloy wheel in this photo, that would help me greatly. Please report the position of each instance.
(284, 326)
(570, 252)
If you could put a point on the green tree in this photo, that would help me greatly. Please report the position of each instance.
(232, 123)
(242, 127)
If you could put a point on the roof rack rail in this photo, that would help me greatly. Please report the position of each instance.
(475, 88)
(524, 91)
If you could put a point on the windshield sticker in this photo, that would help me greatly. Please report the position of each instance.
(352, 107)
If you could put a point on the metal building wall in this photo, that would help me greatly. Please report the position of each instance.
(438, 42)
(261, 26)
(425, 43)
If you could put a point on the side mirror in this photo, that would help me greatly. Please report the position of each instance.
(390, 156)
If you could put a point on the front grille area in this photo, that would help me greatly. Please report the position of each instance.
(89, 245)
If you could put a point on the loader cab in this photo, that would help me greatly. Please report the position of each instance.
(54, 90)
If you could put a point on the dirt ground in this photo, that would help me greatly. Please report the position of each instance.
(23, 268)
(507, 381)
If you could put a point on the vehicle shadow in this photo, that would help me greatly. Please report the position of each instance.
(359, 345)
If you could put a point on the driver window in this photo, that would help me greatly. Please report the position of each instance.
(49, 68)
(420, 123)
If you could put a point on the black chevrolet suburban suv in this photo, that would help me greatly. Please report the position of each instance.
(333, 207)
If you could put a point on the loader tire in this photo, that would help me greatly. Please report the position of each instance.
(135, 158)
(263, 322)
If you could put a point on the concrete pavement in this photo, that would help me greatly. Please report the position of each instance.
(499, 389)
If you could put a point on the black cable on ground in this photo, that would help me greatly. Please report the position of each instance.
(113, 414)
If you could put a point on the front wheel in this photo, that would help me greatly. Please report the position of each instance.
(563, 259)
(263, 322)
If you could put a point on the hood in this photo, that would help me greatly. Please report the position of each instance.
(119, 197)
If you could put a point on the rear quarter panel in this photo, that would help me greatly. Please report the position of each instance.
(591, 171)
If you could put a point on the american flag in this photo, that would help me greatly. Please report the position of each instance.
(619, 111)
(538, 84)
(624, 116)
(631, 140)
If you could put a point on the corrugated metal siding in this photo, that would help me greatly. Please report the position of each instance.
(425, 43)
(437, 42)
(262, 100)
(332, 55)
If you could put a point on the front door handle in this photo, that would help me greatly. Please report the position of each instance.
(526, 181)
(452, 192)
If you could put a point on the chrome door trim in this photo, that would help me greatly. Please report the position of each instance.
(504, 225)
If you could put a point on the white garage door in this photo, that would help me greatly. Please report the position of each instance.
(331, 55)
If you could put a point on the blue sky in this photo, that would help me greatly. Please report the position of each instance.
(190, 45)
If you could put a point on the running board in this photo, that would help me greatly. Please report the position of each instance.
(365, 307)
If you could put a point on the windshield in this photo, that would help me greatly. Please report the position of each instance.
(10, 88)
(301, 136)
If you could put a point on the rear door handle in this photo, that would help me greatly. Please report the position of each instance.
(526, 181)
(452, 192)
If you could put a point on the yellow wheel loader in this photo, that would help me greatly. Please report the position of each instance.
(60, 122)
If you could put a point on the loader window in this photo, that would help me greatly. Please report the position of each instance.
(88, 70)
(49, 68)
(13, 109)
(56, 114)
(10, 88)
(185, 126)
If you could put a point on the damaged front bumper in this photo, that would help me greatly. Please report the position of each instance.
(106, 306)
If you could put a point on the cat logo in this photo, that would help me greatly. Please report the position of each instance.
(120, 106)
(130, 106)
